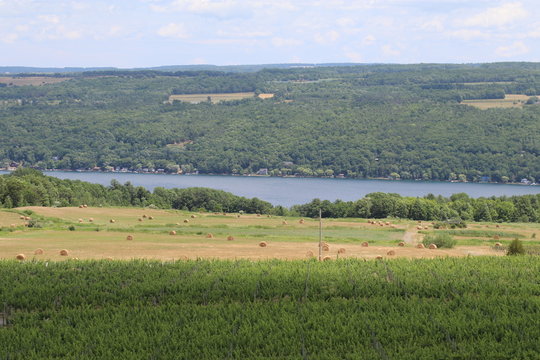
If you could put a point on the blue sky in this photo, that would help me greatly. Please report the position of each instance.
(141, 33)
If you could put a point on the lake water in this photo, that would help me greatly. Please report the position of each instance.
(292, 191)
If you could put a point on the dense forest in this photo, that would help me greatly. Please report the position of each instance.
(391, 121)
(26, 187)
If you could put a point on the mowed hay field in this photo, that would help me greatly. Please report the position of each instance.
(31, 80)
(509, 101)
(99, 233)
(216, 98)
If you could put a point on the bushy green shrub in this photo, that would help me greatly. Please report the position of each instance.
(516, 248)
(442, 240)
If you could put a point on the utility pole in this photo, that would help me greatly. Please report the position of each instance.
(320, 234)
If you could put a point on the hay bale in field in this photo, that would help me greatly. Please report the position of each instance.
(13, 225)
(432, 246)
(91, 220)
(38, 252)
(193, 216)
(85, 206)
(309, 254)
(20, 257)
(21, 217)
(64, 252)
(401, 244)
(326, 247)
(301, 221)
(497, 225)
(498, 245)
(365, 244)
(150, 218)
(140, 219)
(420, 246)
(144, 216)
(419, 228)
(186, 221)
(391, 253)
(230, 238)
(284, 223)
(108, 258)
(379, 257)
(183, 258)
(387, 223)
(327, 258)
(80, 206)
(341, 251)
(258, 215)
(209, 236)
(172, 232)
(381, 224)
(238, 216)
(80, 220)
(262, 244)
(393, 226)
(425, 227)
(496, 237)
(112, 221)
(129, 237)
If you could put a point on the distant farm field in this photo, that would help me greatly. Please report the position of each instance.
(509, 101)
(216, 98)
(31, 80)
(99, 233)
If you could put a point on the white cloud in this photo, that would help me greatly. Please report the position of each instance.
(497, 16)
(281, 42)
(515, 49)
(390, 51)
(173, 30)
(327, 37)
(467, 34)
(9, 38)
(238, 33)
(51, 19)
(433, 25)
(354, 56)
(369, 40)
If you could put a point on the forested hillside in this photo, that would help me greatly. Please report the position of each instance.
(399, 121)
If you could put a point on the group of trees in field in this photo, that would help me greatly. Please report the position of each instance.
(399, 121)
(26, 187)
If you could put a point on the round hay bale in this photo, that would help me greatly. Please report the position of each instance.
(284, 223)
(108, 258)
(327, 258)
(497, 225)
(64, 252)
(129, 237)
(496, 237)
(379, 257)
(13, 225)
(341, 251)
(80, 220)
(238, 216)
(80, 206)
(425, 227)
(401, 244)
(91, 220)
(172, 232)
(365, 244)
(112, 221)
(432, 246)
(20, 257)
(262, 244)
(150, 218)
(381, 224)
(230, 238)
(309, 254)
(85, 206)
(258, 215)
(391, 253)
(193, 216)
(38, 252)
(420, 246)
(186, 221)
(140, 219)
(326, 248)
(301, 221)
(498, 245)
(387, 223)
(21, 217)
(183, 258)
(209, 236)
(144, 216)
(393, 226)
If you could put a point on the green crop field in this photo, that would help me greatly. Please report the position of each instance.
(451, 308)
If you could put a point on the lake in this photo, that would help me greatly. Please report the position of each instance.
(292, 191)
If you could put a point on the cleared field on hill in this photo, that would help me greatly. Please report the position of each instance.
(31, 80)
(509, 101)
(170, 235)
(216, 98)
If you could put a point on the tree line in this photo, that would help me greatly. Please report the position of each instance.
(28, 187)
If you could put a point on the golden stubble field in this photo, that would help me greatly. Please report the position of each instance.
(509, 101)
(102, 233)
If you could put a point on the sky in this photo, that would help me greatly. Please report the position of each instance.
(146, 33)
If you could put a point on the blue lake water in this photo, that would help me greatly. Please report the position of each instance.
(292, 191)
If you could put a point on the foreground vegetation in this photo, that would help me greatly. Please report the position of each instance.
(407, 122)
(26, 187)
(473, 308)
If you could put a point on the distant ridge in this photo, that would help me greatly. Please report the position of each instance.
(227, 68)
